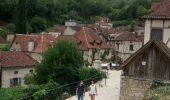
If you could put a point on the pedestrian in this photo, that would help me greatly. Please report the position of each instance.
(80, 91)
(93, 91)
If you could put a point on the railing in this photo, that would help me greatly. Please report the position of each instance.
(57, 92)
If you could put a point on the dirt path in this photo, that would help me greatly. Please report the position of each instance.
(110, 91)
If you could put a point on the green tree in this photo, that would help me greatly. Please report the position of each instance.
(60, 63)
(38, 24)
(21, 17)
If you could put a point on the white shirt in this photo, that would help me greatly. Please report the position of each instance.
(92, 89)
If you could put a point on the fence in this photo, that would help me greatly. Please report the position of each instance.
(57, 92)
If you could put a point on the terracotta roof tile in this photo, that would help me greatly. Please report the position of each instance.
(90, 38)
(44, 41)
(23, 40)
(11, 59)
(41, 42)
(58, 28)
(127, 36)
(73, 39)
(160, 11)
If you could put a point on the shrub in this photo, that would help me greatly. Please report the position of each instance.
(88, 74)
(156, 83)
(120, 23)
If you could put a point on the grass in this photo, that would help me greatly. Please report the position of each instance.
(160, 93)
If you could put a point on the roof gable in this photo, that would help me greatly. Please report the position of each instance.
(161, 46)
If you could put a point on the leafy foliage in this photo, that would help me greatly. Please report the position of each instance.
(11, 93)
(5, 47)
(57, 11)
(156, 83)
(60, 63)
(38, 24)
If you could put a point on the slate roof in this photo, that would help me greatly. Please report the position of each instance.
(160, 10)
(16, 59)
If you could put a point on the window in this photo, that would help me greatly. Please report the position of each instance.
(15, 82)
(117, 45)
(31, 71)
(15, 72)
(156, 34)
(131, 48)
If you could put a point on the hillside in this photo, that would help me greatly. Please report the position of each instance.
(39, 15)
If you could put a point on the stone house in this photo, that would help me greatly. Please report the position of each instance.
(57, 30)
(71, 23)
(104, 22)
(71, 30)
(151, 62)
(91, 45)
(157, 24)
(126, 44)
(33, 45)
(14, 65)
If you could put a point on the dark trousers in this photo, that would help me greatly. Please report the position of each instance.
(80, 97)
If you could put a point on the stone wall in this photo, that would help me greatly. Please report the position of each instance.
(133, 89)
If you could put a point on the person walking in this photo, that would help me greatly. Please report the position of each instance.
(93, 91)
(80, 91)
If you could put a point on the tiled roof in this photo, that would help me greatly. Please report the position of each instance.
(23, 40)
(161, 46)
(41, 42)
(44, 41)
(86, 39)
(58, 28)
(2, 40)
(90, 38)
(13, 59)
(73, 39)
(127, 36)
(160, 10)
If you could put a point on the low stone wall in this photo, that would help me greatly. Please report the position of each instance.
(133, 89)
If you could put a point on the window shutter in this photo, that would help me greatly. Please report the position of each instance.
(19, 81)
(11, 82)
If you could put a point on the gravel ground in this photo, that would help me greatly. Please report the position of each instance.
(109, 92)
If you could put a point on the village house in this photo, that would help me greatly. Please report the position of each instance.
(151, 62)
(57, 30)
(126, 44)
(14, 65)
(157, 24)
(91, 45)
(104, 22)
(33, 45)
